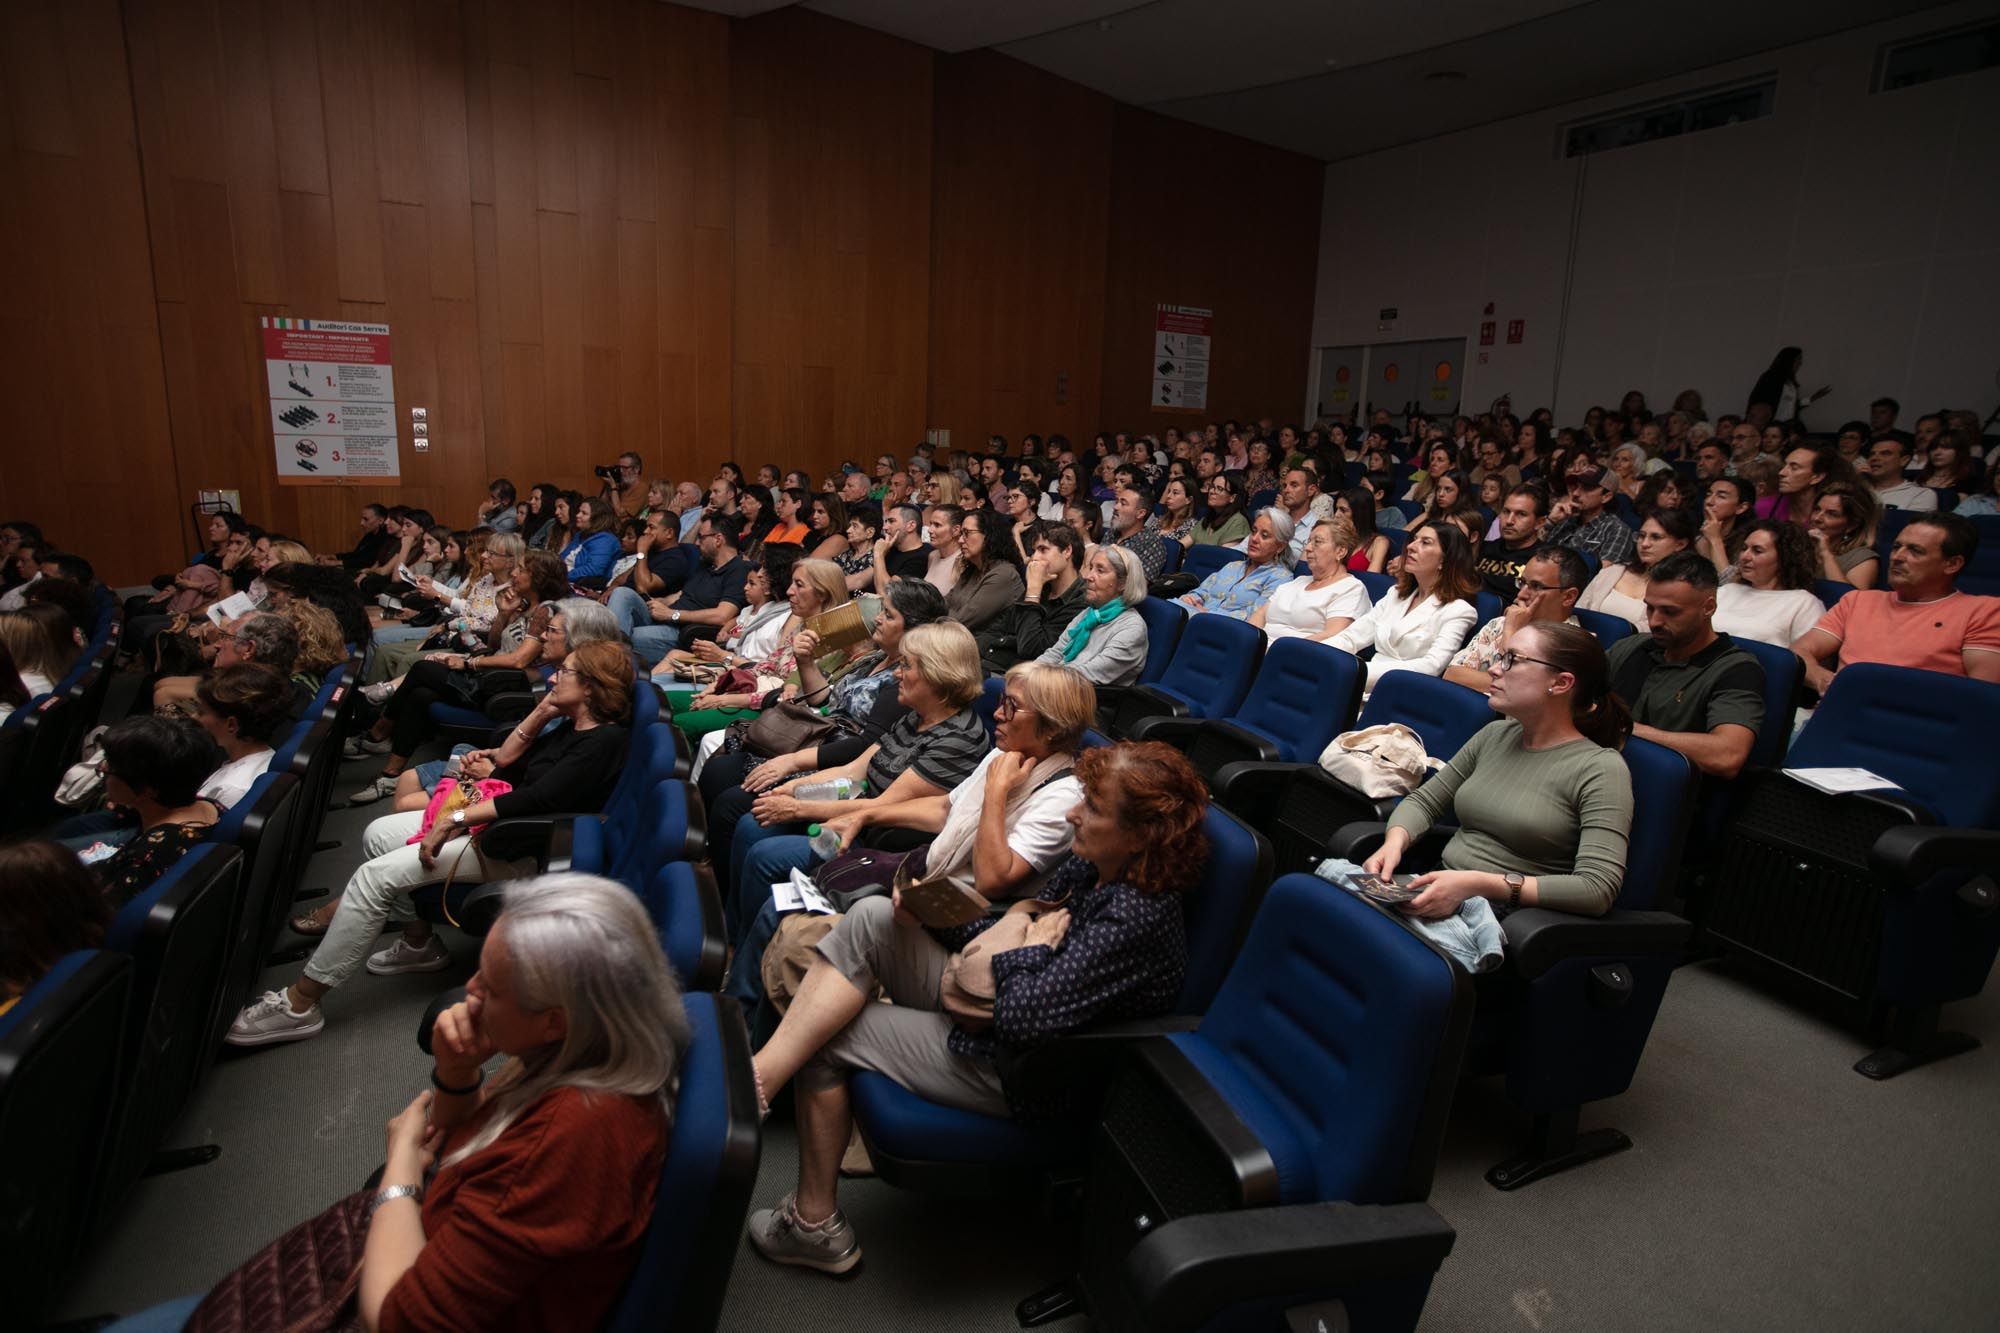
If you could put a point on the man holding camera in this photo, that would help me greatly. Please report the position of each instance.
(624, 485)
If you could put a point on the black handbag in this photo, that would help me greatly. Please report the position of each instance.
(864, 872)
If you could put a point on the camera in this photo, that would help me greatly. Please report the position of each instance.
(609, 474)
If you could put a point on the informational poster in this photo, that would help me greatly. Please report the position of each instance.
(1180, 357)
(333, 401)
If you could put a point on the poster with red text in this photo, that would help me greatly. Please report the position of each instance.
(333, 401)
(1180, 357)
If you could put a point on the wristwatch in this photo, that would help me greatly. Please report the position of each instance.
(395, 1192)
(1513, 879)
(675, 618)
(458, 818)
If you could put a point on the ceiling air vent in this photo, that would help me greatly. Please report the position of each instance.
(1663, 120)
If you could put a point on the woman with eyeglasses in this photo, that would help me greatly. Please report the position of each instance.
(1542, 799)
(565, 755)
(1225, 523)
(468, 613)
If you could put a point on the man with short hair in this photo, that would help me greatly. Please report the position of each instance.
(1920, 620)
(1052, 596)
(901, 552)
(1746, 444)
(1690, 688)
(498, 511)
(898, 491)
(853, 489)
(376, 542)
(663, 566)
(687, 504)
(1551, 581)
(1523, 515)
(1132, 528)
(628, 495)
(1929, 426)
(710, 598)
(942, 525)
(990, 480)
(1297, 490)
(1582, 520)
(1882, 415)
(1711, 460)
(1888, 458)
(1209, 463)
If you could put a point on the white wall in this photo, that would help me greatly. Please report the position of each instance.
(1863, 228)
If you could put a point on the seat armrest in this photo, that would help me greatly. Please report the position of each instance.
(1908, 856)
(1174, 731)
(713, 967)
(1143, 701)
(1087, 1054)
(1252, 785)
(549, 830)
(1358, 841)
(480, 907)
(1234, 1149)
(511, 707)
(1185, 1274)
(1539, 938)
(1244, 739)
(697, 824)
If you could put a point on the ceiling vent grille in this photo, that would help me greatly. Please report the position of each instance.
(1709, 110)
(1937, 55)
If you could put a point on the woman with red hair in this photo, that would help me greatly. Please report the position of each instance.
(1105, 942)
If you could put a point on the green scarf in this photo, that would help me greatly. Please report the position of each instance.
(1091, 618)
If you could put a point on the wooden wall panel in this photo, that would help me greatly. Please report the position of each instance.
(1022, 203)
(1254, 265)
(832, 238)
(592, 225)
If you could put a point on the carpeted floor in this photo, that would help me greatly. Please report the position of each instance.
(1769, 1186)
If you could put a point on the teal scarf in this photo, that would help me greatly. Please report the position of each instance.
(1079, 635)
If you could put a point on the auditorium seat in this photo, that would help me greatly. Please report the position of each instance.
(1566, 1018)
(1882, 902)
(1211, 670)
(1201, 561)
(262, 826)
(1259, 1163)
(1304, 694)
(61, 1072)
(1606, 629)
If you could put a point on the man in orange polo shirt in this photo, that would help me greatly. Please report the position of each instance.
(1921, 620)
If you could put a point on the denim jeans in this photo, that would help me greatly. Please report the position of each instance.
(750, 876)
(651, 641)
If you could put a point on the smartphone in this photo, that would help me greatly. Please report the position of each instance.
(1390, 892)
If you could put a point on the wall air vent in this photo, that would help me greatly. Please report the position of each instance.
(1663, 120)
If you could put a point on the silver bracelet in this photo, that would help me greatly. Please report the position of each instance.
(395, 1192)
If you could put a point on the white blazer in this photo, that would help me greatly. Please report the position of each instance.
(1424, 639)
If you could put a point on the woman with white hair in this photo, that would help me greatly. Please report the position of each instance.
(1106, 642)
(1322, 603)
(1238, 589)
(545, 1173)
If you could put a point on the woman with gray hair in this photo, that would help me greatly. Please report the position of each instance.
(545, 1173)
(1238, 589)
(1106, 642)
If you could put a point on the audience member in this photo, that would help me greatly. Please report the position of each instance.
(1726, 511)
(592, 548)
(815, 586)
(1106, 641)
(1887, 460)
(49, 906)
(988, 582)
(1109, 944)
(1371, 548)
(1551, 581)
(941, 530)
(1689, 687)
(1523, 514)
(1051, 596)
(755, 633)
(42, 641)
(1241, 586)
(1620, 590)
(1420, 622)
(1843, 534)
(244, 708)
(1771, 599)
(1542, 799)
(1582, 521)
(13, 692)
(1803, 474)
(565, 755)
(1132, 527)
(1225, 523)
(153, 767)
(708, 600)
(1298, 494)
(1326, 600)
(1920, 620)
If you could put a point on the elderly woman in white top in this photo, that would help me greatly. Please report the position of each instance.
(1106, 642)
(1771, 599)
(1321, 604)
(1424, 619)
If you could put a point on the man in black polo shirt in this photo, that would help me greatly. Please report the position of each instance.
(710, 598)
(1523, 515)
(901, 551)
(1690, 688)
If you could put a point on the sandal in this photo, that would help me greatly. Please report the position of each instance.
(314, 924)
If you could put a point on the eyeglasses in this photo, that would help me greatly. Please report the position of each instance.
(1510, 659)
(561, 672)
(1009, 705)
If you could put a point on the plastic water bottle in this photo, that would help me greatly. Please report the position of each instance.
(825, 842)
(835, 789)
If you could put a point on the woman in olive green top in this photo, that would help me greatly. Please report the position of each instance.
(1543, 801)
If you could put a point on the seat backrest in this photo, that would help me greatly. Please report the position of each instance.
(1304, 695)
(682, 901)
(649, 759)
(61, 1048)
(1410, 508)
(705, 1181)
(261, 826)
(1929, 733)
(656, 835)
(1213, 664)
(1201, 561)
(1486, 606)
(1782, 672)
(1443, 714)
(1175, 554)
(1165, 620)
(176, 931)
(1398, 539)
(1220, 907)
(1344, 1027)
(1831, 591)
(1607, 629)
(1662, 809)
(1378, 585)
(341, 694)
(988, 702)
(1887, 525)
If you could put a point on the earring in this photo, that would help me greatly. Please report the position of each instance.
(1550, 690)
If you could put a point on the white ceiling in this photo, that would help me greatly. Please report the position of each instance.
(1338, 78)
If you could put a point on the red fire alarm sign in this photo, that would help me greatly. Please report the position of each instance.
(1515, 327)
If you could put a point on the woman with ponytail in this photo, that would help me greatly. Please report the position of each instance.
(1543, 801)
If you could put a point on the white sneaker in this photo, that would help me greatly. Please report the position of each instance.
(402, 956)
(361, 745)
(378, 694)
(270, 1020)
(383, 785)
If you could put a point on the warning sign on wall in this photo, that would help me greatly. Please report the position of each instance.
(1180, 357)
(333, 401)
